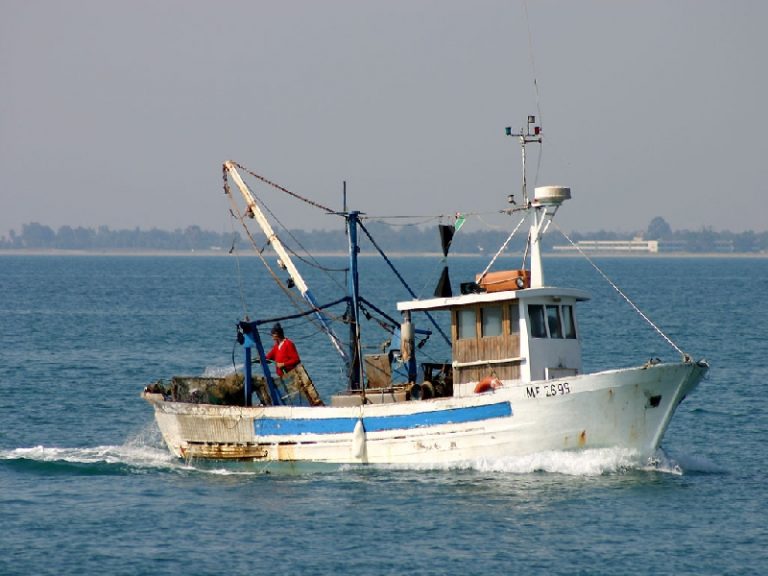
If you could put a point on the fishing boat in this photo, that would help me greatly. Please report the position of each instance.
(514, 383)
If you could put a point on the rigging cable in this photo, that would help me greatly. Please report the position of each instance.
(427, 218)
(429, 278)
(314, 263)
(402, 280)
(302, 313)
(685, 356)
(489, 225)
(233, 250)
(383, 219)
(295, 300)
(503, 247)
(278, 187)
(298, 303)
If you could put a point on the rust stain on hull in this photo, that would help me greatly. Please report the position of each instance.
(220, 451)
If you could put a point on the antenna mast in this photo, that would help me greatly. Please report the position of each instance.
(527, 137)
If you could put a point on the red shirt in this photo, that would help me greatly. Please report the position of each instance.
(284, 352)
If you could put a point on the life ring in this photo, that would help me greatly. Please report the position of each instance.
(489, 383)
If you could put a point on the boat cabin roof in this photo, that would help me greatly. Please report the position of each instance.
(486, 297)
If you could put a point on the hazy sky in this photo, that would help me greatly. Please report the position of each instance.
(121, 113)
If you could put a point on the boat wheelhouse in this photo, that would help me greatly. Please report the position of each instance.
(521, 335)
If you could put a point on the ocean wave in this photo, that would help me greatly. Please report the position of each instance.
(90, 460)
(141, 456)
(688, 464)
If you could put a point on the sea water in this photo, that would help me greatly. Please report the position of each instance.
(87, 486)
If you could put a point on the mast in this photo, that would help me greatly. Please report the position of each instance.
(353, 304)
(546, 200)
(285, 258)
(527, 137)
(531, 137)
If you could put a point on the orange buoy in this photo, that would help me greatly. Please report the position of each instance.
(489, 383)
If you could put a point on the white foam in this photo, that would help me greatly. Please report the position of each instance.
(226, 472)
(220, 371)
(146, 451)
(591, 462)
(680, 464)
(144, 456)
(665, 465)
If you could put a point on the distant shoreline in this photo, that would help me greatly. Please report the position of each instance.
(209, 253)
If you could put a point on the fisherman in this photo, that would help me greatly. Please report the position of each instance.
(289, 368)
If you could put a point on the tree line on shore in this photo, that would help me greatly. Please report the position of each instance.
(404, 239)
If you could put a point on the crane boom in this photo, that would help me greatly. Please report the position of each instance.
(285, 258)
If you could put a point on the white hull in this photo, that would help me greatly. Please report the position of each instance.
(629, 408)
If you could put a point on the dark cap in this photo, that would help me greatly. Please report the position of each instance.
(277, 330)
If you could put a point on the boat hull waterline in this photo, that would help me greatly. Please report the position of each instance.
(626, 408)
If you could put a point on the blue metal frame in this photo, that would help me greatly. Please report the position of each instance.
(251, 338)
(356, 376)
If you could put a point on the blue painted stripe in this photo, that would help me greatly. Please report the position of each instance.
(295, 426)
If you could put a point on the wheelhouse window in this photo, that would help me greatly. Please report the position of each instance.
(553, 321)
(465, 323)
(490, 321)
(569, 326)
(538, 321)
(514, 319)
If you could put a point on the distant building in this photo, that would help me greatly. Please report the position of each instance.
(639, 246)
(636, 245)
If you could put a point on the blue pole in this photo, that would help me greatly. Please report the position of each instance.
(248, 377)
(354, 306)
(274, 394)
(251, 338)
